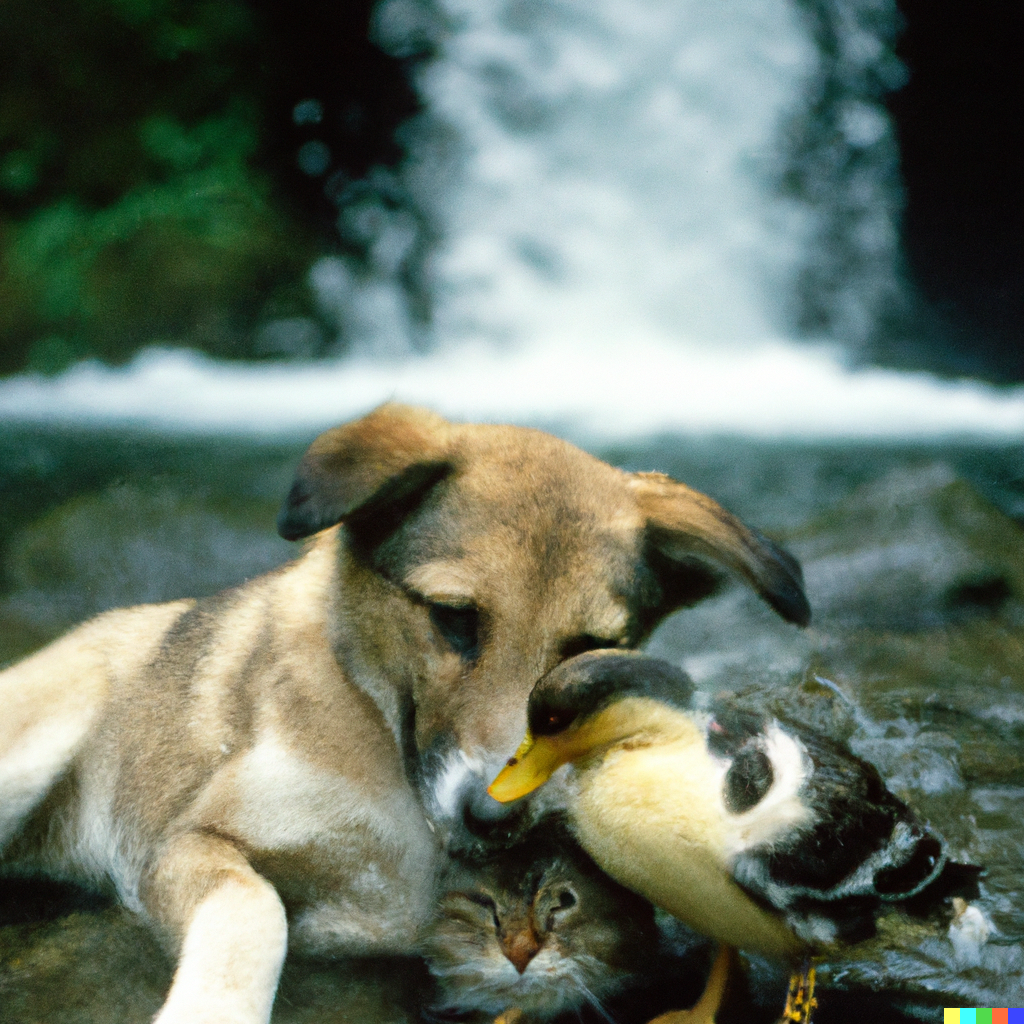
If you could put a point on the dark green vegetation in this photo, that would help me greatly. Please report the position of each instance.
(149, 190)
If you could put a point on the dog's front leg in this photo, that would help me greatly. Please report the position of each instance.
(229, 926)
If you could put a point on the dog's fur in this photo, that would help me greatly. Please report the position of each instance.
(282, 764)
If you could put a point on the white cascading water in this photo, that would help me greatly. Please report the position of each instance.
(616, 166)
(617, 254)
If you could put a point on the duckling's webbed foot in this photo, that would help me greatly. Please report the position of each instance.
(513, 1015)
(706, 1008)
(800, 1002)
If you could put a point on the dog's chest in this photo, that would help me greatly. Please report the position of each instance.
(354, 864)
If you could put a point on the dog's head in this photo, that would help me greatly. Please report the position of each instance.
(472, 559)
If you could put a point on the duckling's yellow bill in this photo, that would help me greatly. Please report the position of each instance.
(531, 766)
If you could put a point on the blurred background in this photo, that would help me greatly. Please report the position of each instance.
(262, 182)
(773, 248)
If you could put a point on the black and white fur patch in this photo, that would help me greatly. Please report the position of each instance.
(816, 834)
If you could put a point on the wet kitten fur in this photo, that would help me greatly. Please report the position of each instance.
(537, 927)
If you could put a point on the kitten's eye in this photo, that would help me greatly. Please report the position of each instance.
(584, 643)
(566, 899)
(460, 628)
(481, 900)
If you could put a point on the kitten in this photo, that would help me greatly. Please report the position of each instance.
(538, 929)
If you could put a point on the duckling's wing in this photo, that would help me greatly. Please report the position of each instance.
(858, 846)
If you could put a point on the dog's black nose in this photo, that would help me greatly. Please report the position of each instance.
(485, 820)
(480, 806)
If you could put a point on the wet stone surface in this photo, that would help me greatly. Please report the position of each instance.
(102, 965)
(914, 562)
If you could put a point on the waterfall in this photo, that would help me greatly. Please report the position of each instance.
(670, 169)
(618, 216)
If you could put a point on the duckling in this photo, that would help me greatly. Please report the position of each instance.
(755, 832)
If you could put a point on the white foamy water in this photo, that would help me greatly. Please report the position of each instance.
(613, 165)
(617, 255)
(635, 387)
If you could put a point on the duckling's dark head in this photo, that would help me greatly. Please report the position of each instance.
(564, 713)
(580, 687)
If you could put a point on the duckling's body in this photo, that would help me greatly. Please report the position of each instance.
(642, 811)
(759, 834)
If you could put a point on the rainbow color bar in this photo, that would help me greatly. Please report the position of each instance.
(963, 1015)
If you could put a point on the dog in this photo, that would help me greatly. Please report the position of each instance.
(283, 764)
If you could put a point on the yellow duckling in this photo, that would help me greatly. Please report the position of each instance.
(759, 834)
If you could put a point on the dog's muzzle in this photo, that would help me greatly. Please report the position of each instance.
(454, 787)
(480, 809)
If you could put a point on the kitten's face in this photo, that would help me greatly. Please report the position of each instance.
(541, 929)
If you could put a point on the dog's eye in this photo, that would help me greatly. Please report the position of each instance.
(584, 643)
(460, 628)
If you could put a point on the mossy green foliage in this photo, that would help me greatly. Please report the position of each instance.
(132, 205)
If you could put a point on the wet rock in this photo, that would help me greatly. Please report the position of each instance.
(102, 967)
(916, 548)
(129, 544)
(106, 967)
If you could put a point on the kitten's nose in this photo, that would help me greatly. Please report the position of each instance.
(520, 945)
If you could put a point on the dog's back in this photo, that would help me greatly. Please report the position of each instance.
(54, 699)
(229, 715)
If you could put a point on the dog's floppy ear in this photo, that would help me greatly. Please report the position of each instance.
(689, 530)
(363, 469)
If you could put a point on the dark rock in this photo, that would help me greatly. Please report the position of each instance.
(915, 549)
(106, 967)
(128, 545)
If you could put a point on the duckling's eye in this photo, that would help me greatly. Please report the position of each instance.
(460, 628)
(551, 723)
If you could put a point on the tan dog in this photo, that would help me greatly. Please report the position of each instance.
(279, 764)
